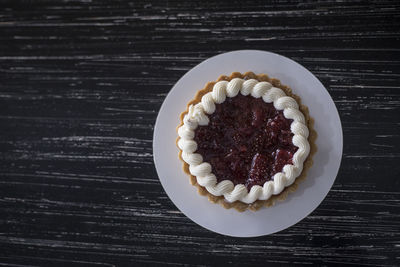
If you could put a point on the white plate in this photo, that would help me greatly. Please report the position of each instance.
(284, 214)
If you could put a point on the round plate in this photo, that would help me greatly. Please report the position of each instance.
(298, 204)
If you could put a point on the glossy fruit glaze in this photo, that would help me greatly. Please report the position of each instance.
(247, 141)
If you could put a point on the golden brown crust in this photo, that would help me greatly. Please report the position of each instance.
(238, 205)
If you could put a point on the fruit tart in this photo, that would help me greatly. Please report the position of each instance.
(246, 141)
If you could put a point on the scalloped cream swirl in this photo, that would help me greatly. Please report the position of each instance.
(197, 115)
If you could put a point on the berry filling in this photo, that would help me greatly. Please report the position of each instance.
(247, 141)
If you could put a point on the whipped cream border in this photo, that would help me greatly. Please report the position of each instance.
(197, 115)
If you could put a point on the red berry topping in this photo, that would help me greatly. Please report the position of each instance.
(247, 141)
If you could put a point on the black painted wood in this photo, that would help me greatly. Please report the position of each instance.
(81, 83)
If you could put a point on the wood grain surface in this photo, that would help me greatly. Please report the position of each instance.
(81, 83)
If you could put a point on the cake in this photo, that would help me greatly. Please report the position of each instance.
(246, 141)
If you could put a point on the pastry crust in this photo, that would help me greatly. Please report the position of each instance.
(238, 205)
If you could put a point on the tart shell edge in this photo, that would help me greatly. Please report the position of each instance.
(258, 204)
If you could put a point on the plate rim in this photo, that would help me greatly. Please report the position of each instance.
(205, 62)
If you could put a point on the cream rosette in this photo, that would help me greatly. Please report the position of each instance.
(197, 115)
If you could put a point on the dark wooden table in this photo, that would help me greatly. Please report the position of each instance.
(81, 83)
